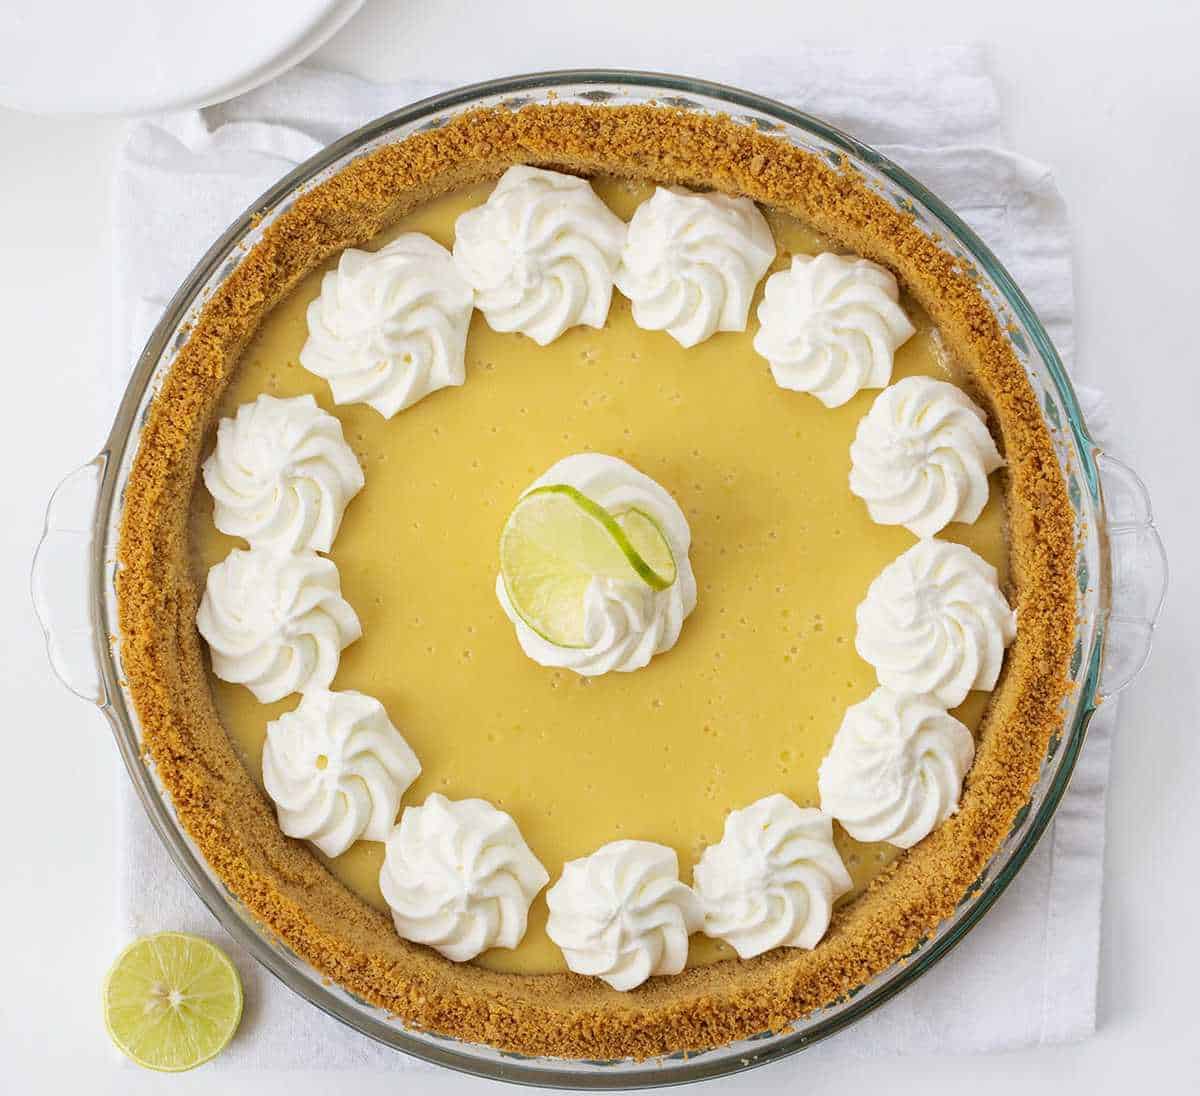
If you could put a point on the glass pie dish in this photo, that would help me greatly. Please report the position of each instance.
(1120, 569)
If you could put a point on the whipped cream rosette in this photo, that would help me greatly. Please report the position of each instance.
(390, 326)
(622, 914)
(336, 769)
(935, 622)
(772, 879)
(540, 253)
(922, 456)
(626, 622)
(830, 325)
(459, 877)
(282, 474)
(276, 623)
(896, 768)
(692, 261)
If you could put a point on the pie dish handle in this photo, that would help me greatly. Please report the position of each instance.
(1137, 574)
(61, 582)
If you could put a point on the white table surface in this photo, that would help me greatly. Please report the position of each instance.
(1110, 99)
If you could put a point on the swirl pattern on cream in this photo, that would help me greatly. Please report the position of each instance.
(622, 914)
(336, 769)
(625, 623)
(934, 621)
(831, 325)
(390, 326)
(922, 456)
(540, 253)
(276, 623)
(281, 475)
(772, 879)
(459, 877)
(896, 768)
(691, 263)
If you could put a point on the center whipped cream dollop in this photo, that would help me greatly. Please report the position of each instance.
(276, 623)
(831, 325)
(336, 769)
(390, 326)
(691, 263)
(622, 914)
(625, 623)
(772, 879)
(459, 877)
(282, 474)
(922, 456)
(540, 253)
(896, 768)
(935, 621)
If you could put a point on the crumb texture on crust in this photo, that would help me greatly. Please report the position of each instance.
(283, 884)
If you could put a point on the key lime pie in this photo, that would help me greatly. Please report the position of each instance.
(596, 582)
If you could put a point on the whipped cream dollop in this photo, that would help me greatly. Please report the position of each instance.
(691, 263)
(459, 877)
(622, 914)
(935, 621)
(540, 253)
(625, 623)
(336, 768)
(276, 623)
(390, 326)
(831, 325)
(896, 768)
(282, 474)
(922, 456)
(772, 879)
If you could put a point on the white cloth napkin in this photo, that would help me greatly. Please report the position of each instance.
(1028, 973)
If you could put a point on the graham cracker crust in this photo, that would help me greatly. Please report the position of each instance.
(283, 884)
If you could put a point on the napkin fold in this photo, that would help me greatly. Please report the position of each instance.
(1028, 973)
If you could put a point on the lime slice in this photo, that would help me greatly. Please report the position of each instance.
(557, 540)
(648, 542)
(172, 1001)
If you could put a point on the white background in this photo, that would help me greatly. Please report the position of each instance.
(1108, 97)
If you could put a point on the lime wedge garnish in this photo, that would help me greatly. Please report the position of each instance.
(172, 1001)
(557, 540)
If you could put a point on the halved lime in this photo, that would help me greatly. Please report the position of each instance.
(172, 1001)
(557, 540)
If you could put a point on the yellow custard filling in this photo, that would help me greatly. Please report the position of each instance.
(748, 701)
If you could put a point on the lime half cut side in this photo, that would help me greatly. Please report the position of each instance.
(557, 540)
(172, 1001)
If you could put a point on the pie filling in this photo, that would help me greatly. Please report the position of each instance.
(743, 707)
